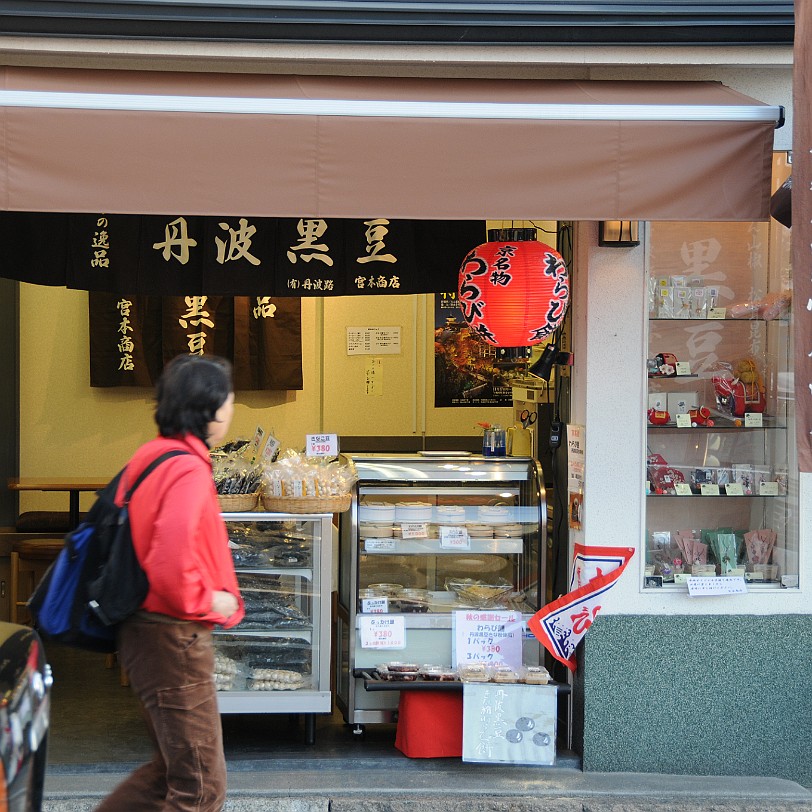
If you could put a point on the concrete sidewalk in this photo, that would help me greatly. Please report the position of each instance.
(448, 785)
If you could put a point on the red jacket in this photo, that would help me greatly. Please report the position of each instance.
(178, 534)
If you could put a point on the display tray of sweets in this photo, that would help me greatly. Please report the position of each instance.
(443, 678)
(381, 678)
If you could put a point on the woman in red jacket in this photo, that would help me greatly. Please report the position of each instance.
(182, 544)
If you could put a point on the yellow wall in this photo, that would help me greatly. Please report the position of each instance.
(68, 428)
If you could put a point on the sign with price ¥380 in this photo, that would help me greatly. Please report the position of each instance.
(382, 631)
(488, 636)
(321, 445)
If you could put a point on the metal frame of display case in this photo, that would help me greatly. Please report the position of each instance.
(408, 475)
(318, 698)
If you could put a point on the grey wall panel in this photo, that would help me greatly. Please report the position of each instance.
(697, 694)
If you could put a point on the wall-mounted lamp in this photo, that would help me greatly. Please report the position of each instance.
(618, 233)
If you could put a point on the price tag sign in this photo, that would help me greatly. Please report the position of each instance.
(321, 445)
(734, 489)
(709, 489)
(256, 443)
(683, 489)
(753, 420)
(724, 585)
(455, 538)
(768, 489)
(375, 606)
(488, 636)
(683, 368)
(717, 313)
(379, 545)
(269, 452)
(414, 530)
(683, 421)
(385, 632)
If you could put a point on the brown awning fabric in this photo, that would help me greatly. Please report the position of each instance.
(802, 233)
(277, 146)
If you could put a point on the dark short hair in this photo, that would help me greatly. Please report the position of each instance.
(189, 392)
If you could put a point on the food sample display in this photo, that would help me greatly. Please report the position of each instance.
(427, 538)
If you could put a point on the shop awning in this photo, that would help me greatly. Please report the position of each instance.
(304, 146)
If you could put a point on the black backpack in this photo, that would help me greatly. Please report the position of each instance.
(96, 581)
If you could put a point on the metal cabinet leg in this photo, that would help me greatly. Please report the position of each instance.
(310, 728)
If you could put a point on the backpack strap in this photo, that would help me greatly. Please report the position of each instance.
(148, 470)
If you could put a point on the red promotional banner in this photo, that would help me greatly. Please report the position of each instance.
(560, 625)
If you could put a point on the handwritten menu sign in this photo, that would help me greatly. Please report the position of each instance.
(724, 585)
(509, 724)
(384, 632)
(490, 636)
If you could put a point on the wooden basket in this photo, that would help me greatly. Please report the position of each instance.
(306, 504)
(237, 502)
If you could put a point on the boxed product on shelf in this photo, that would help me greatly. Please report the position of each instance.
(681, 402)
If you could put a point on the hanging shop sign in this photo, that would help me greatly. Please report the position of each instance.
(176, 255)
(132, 337)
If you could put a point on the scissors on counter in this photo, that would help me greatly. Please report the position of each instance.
(527, 418)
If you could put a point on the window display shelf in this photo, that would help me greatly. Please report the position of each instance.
(721, 495)
(780, 320)
(719, 406)
(722, 424)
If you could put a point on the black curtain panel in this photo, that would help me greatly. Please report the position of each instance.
(176, 255)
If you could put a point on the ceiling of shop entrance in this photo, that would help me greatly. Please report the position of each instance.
(293, 146)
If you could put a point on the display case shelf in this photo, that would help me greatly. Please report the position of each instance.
(506, 546)
(278, 659)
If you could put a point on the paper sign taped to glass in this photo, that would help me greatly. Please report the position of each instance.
(560, 625)
(509, 724)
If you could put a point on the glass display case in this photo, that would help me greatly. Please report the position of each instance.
(426, 535)
(721, 469)
(277, 660)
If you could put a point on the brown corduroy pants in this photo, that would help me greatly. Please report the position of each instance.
(170, 664)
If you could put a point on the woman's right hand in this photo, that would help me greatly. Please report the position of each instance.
(224, 603)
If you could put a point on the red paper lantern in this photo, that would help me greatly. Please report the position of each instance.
(513, 290)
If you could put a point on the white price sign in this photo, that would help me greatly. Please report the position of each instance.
(379, 545)
(321, 445)
(455, 538)
(375, 606)
(488, 636)
(723, 585)
(414, 530)
(385, 631)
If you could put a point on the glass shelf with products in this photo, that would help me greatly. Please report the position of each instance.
(426, 539)
(720, 408)
(277, 660)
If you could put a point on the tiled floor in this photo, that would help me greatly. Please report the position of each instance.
(96, 721)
